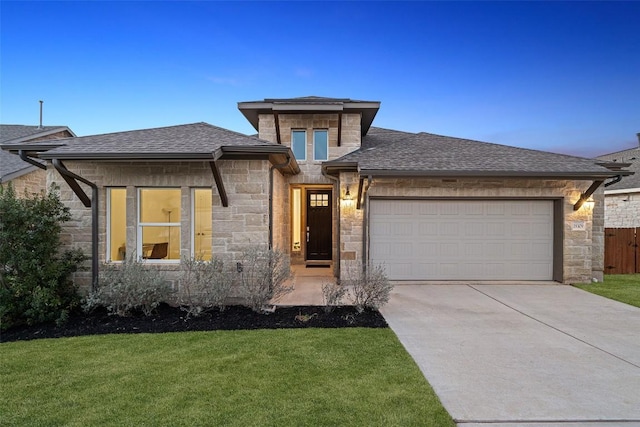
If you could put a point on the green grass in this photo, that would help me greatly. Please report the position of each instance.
(303, 377)
(620, 287)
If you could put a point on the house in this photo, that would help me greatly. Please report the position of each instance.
(25, 175)
(321, 183)
(622, 198)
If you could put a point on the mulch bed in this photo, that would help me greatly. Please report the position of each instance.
(172, 319)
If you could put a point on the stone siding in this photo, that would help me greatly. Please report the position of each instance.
(583, 250)
(310, 170)
(244, 223)
(32, 182)
(281, 216)
(622, 210)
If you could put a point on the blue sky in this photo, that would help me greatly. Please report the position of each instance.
(555, 76)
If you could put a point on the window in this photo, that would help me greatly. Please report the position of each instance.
(201, 224)
(320, 145)
(116, 224)
(159, 223)
(299, 144)
(297, 218)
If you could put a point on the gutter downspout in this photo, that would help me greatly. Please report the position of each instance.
(68, 175)
(29, 160)
(277, 166)
(365, 225)
(615, 180)
(336, 266)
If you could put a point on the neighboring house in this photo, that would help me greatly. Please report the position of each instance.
(26, 176)
(323, 185)
(622, 199)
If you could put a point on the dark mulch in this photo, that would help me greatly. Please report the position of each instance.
(172, 319)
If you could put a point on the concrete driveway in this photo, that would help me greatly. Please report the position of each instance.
(523, 355)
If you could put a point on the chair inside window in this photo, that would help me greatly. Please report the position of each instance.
(159, 251)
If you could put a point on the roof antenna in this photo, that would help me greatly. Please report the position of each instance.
(41, 102)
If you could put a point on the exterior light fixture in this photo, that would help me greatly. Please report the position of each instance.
(590, 203)
(347, 199)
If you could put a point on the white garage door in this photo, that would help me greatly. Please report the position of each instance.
(463, 240)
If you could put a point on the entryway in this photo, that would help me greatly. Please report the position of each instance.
(307, 282)
(312, 225)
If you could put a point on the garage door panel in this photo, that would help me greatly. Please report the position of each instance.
(463, 240)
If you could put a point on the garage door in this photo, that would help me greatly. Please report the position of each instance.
(463, 240)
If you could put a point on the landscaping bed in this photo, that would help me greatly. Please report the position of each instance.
(172, 319)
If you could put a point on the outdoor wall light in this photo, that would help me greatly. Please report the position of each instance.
(347, 199)
(589, 204)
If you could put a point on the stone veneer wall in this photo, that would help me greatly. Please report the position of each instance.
(310, 170)
(622, 210)
(583, 250)
(32, 182)
(242, 224)
(281, 237)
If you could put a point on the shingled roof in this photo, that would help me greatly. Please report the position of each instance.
(190, 141)
(632, 156)
(388, 152)
(11, 165)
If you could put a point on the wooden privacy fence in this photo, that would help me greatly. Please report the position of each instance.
(621, 250)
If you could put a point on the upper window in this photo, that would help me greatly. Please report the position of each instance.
(159, 223)
(320, 145)
(201, 223)
(299, 144)
(116, 223)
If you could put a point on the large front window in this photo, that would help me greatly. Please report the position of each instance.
(159, 223)
(299, 144)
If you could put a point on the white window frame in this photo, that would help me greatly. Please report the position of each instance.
(193, 220)
(108, 239)
(315, 131)
(140, 225)
(304, 131)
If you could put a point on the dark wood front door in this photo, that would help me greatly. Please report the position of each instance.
(319, 224)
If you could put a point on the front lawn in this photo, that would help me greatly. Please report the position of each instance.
(620, 287)
(283, 377)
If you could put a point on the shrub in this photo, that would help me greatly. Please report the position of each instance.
(263, 276)
(129, 286)
(332, 295)
(35, 284)
(203, 285)
(370, 287)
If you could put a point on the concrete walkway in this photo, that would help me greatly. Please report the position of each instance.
(523, 355)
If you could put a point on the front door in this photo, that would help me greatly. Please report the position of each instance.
(318, 224)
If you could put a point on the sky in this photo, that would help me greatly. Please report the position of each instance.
(554, 76)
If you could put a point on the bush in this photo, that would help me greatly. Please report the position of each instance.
(35, 284)
(129, 286)
(332, 295)
(263, 276)
(370, 287)
(203, 285)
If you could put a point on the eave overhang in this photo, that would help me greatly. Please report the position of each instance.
(336, 168)
(31, 150)
(367, 109)
(275, 154)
